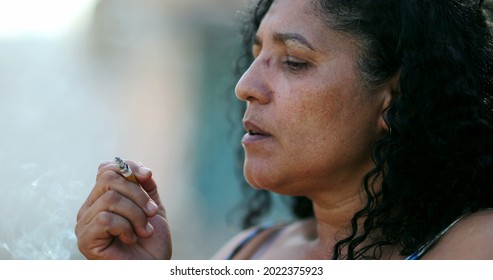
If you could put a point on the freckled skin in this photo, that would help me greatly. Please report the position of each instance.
(323, 121)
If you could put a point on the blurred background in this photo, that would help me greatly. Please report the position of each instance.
(83, 81)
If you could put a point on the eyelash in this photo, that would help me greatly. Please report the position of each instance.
(296, 65)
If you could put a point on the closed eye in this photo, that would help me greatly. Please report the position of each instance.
(296, 65)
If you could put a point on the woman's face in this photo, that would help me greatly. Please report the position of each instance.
(310, 122)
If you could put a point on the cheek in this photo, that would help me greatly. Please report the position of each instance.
(306, 133)
(313, 123)
(316, 137)
(323, 130)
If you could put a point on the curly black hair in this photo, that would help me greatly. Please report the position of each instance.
(437, 162)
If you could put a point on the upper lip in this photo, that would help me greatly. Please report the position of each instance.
(253, 128)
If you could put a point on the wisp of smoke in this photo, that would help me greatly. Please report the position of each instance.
(38, 214)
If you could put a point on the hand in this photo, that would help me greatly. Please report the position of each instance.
(122, 220)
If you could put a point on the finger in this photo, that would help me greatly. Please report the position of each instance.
(105, 163)
(98, 188)
(147, 182)
(93, 238)
(113, 202)
(110, 180)
(143, 174)
(104, 226)
(121, 228)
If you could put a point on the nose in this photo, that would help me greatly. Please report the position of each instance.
(254, 85)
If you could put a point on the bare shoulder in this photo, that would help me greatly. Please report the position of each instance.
(471, 238)
(262, 241)
(225, 251)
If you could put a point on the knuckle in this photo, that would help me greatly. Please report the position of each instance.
(104, 164)
(109, 176)
(111, 197)
(79, 215)
(104, 219)
(81, 244)
(78, 230)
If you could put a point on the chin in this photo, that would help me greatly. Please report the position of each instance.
(265, 175)
(259, 179)
(254, 181)
(255, 173)
(266, 181)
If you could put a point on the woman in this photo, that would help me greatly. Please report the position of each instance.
(376, 114)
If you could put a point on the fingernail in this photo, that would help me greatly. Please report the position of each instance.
(144, 171)
(151, 206)
(149, 228)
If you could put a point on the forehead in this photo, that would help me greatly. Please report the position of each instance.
(295, 12)
(292, 5)
(301, 17)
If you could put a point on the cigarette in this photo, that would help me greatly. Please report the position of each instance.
(126, 171)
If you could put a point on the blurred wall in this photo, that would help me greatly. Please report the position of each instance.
(147, 80)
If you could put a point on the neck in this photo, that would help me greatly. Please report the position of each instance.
(333, 214)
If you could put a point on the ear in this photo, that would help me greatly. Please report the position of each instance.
(388, 91)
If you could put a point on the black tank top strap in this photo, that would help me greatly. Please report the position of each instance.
(250, 236)
(428, 245)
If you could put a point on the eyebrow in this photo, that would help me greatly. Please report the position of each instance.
(284, 38)
(296, 37)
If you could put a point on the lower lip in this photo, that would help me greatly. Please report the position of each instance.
(252, 139)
